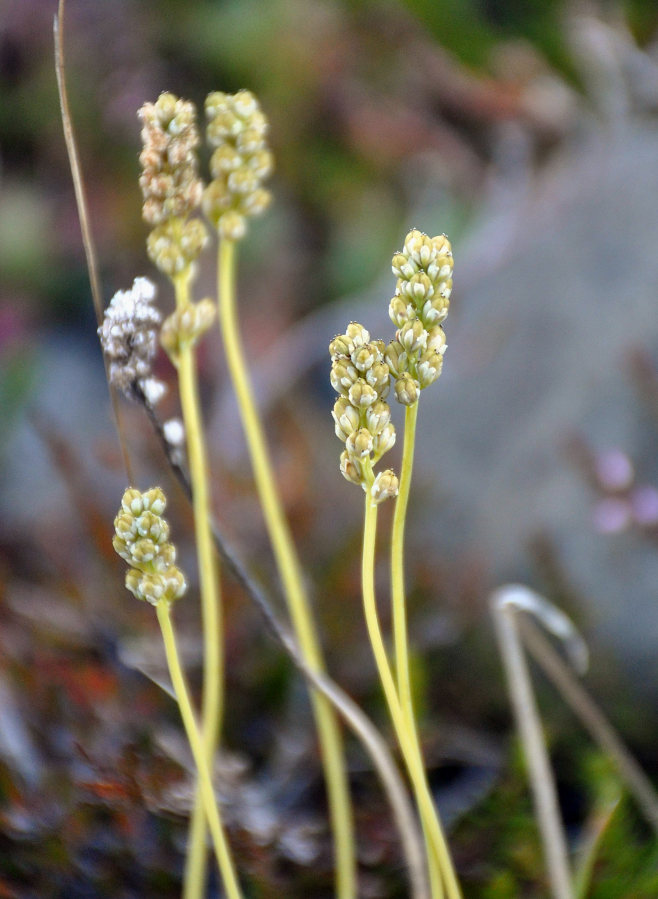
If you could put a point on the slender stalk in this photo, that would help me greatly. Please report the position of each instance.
(442, 878)
(199, 751)
(530, 729)
(399, 607)
(291, 577)
(195, 865)
(398, 599)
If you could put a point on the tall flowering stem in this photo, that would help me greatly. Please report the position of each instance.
(172, 193)
(142, 540)
(237, 129)
(423, 268)
(361, 415)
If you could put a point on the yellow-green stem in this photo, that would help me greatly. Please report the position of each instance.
(195, 864)
(399, 610)
(291, 577)
(200, 754)
(439, 865)
(397, 568)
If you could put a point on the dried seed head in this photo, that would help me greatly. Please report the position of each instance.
(169, 181)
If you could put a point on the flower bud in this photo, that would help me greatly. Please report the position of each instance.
(384, 441)
(361, 394)
(378, 378)
(231, 225)
(412, 336)
(436, 340)
(339, 347)
(377, 417)
(419, 248)
(418, 289)
(343, 375)
(403, 267)
(356, 336)
(400, 311)
(384, 486)
(359, 444)
(407, 390)
(346, 418)
(350, 468)
(396, 358)
(365, 357)
(429, 368)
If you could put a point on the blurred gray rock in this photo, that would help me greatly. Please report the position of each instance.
(554, 287)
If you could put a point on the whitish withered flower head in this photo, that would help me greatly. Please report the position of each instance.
(129, 337)
(241, 162)
(423, 268)
(142, 539)
(361, 377)
(170, 183)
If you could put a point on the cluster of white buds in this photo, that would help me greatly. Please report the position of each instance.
(422, 297)
(129, 338)
(361, 414)
(237, 128)
(170, 183)
(142, 540)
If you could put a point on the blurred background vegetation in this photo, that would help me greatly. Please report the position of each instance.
(383, 115)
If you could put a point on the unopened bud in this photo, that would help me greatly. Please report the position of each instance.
(362, 394)
(384, 486)
(350, 468)
(412, 336)
(407, 390)
(359, 444)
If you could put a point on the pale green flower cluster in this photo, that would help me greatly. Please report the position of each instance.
(361, 414)
(170, 183)
(422, 297)
(142, 540)
(186, 326)
(237, 128)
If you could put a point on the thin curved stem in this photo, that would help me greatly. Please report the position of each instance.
(212, 702)
(291, 577)
(399, 614)
(441, 871)
(199, 751)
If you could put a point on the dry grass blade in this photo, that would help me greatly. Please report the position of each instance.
(593, 719)
(81, 202)
(504, 605)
